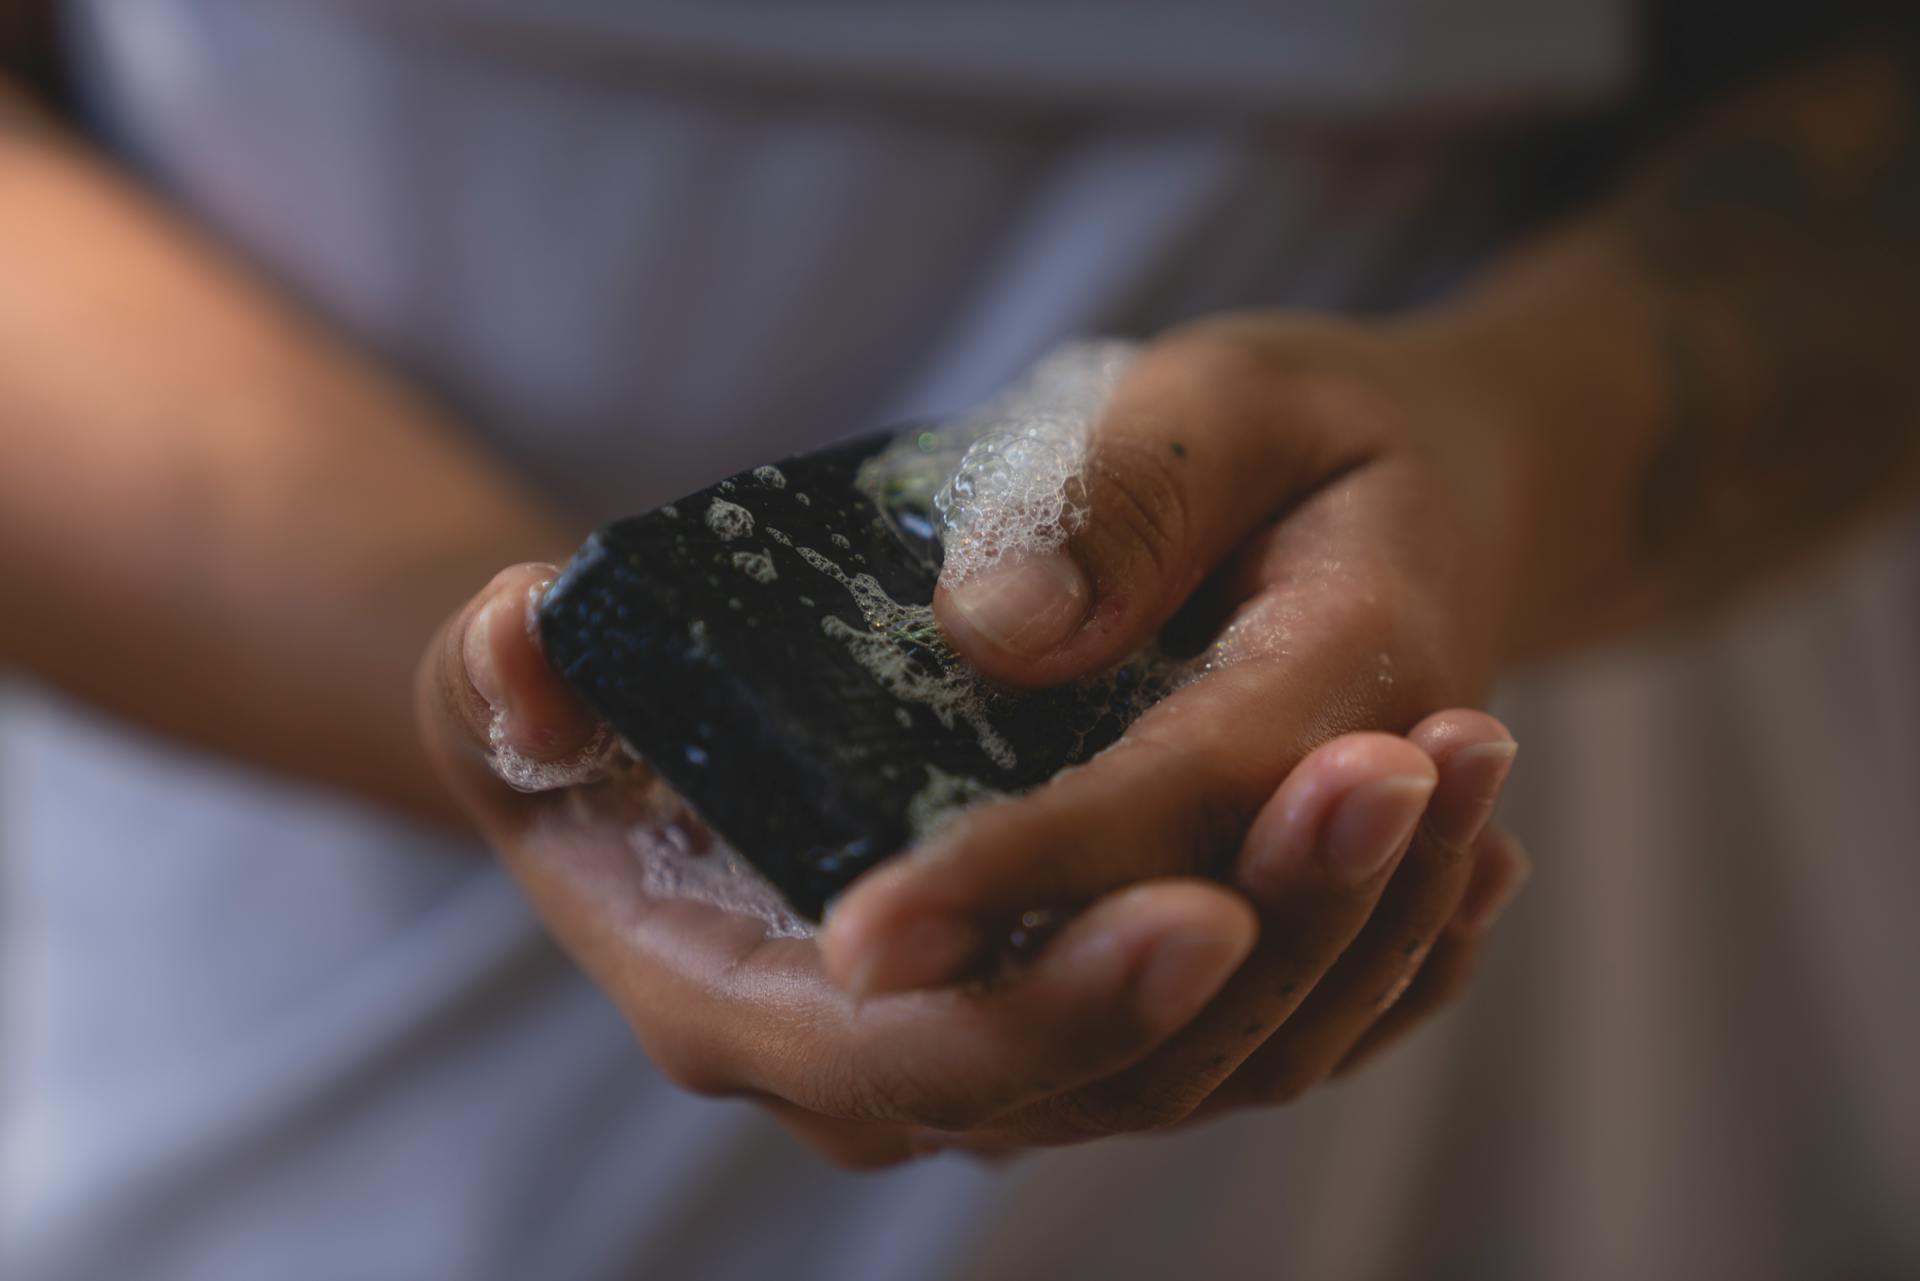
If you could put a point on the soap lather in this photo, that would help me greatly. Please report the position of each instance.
(768, 646)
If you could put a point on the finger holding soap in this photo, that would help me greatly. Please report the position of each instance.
(1075, 559)
(492, 710)
(536, 714)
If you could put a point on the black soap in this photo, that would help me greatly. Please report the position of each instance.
(703, 633)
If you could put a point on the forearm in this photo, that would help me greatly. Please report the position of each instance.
(214, 519)
(1717, 372)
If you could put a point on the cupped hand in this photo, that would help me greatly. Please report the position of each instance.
(1092, 1025)
(1314, 496)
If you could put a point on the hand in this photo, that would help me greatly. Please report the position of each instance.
(1316, 493)
(724, 1009)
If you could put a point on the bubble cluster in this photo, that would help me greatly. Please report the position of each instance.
(945, 798)
(525, 773)
(729, 520)
(1019, 488)
(1008, 480)
(895, 646)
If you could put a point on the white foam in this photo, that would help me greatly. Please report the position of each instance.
(945, 798)
(1020, 489)
(729, 520)
(1007, 480)
(892, 647)
(525, 773)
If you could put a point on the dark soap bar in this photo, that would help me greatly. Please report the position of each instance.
(724, 637)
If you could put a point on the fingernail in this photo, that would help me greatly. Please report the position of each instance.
(476, 651)
(926, 953)
(1490, 763)
(1473, 779)
(1372, 824)
(1028, 608)
(1185, 970)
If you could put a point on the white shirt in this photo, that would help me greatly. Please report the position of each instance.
(254, 1030)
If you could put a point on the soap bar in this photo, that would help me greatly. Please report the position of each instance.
(768, 646)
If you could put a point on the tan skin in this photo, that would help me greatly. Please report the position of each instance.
(1119, 1010)
(1427, 501)
(197, 464)
(1452, 490)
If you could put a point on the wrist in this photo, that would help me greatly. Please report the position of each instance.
(1546, 379)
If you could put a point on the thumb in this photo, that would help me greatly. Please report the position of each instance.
(1209, 434)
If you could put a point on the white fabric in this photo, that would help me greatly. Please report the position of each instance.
(253, 1031)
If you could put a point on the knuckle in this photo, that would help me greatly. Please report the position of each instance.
(1211, 359)
(1139, 514)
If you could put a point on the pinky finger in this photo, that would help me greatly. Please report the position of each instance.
(1501, 867)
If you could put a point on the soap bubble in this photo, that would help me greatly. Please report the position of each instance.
(1019, 489)
(524, 773)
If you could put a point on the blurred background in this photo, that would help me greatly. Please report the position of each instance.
(254, 1025)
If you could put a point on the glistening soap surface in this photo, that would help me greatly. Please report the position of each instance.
(768, 644)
